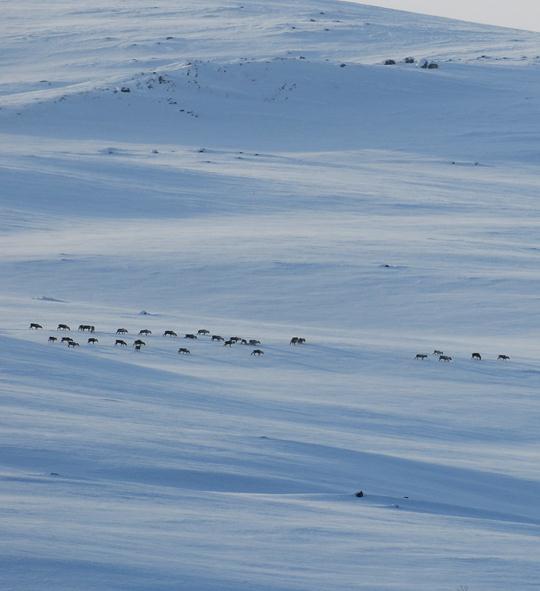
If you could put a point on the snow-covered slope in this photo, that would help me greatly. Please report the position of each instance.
(254, 169)
(66, 43)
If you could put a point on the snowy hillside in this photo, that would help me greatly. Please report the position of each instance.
(255, 169)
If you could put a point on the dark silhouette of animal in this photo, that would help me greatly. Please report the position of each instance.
(63, 327)
(294, 341)
(409, 60)
(203, 331)
(35, 325)
(254, 342)
(120, 342)
(138, 343)
(503, 357)
(437, 352)
(86, 327)
(92, 341)
(216, 337)
(235, 339)
(476, 356)
(73, 344)
(389, 62)
(421, 356)
(66, 339)
(190, 336)
(137, 347)
(184, 351)
(446, 358)
(228, 343)
(52, 339)
(145, 331)
(122, 331)
(359, 494)
(169, 333)
(257, 352)
(243, 342)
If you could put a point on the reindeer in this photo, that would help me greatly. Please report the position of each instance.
(503, 358)
(421, 356)
(203, 331)
(476, 356)
(190, 336)
(145, 332)
(184, 351)
(216, 337)
(437, 352)
(139, 343)
(169, 333)
(92, 341)
(73, 344)
(137, 347)
(294, 341)
(35, 326)
(63, 327)
(243, 342)
(120, 342)
(83, 327)
(66, 340)
(254, 342)
(446, 358)
(235, 339)
(52, 339)
(257, 352)
(228, 343)
(122, 331)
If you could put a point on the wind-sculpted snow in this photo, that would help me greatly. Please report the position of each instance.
(147, 465)
(85, 44)
(254, 169)
(295, 105)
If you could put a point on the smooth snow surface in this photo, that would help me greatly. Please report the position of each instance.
(267, 177)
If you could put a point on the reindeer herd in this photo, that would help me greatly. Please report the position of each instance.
(446, 358)
(138, 343)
